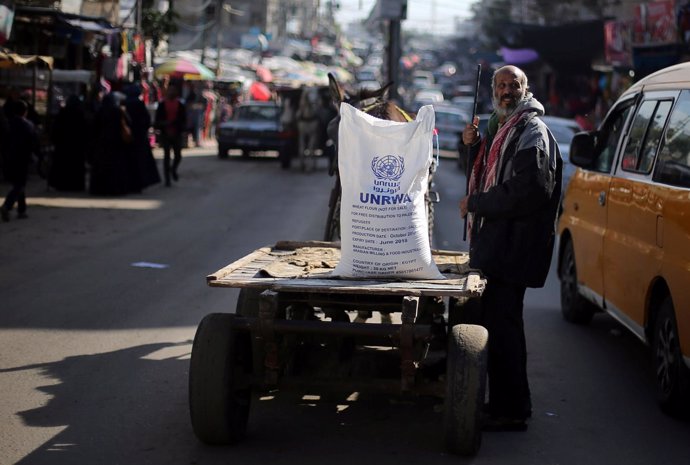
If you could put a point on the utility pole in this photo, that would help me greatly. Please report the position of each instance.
(139, 15)
(220, 8)
(394, 52)
(394, 11)
(219, 34)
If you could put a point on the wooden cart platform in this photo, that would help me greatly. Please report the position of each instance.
(307, 267)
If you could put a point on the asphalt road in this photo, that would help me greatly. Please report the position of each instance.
(94, 351)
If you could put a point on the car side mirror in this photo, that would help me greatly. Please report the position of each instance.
(582, 149)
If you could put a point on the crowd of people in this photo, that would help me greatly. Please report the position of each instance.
(102, 143)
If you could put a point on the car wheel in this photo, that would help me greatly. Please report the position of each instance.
(222, 151)
(245, 153)
(574, 307)
(672, 375)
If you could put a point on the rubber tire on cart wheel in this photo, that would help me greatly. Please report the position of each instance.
(219, 394)
(574, 307)
(465, 388)
(673, 376)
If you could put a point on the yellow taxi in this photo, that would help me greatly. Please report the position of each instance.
(624, 231)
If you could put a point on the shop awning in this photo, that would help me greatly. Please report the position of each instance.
(13, 60)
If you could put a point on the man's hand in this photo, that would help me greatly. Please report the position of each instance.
(470, 135)
(463, 207)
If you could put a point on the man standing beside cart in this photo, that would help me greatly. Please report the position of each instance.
(511, 209)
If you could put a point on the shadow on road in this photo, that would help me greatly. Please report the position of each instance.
(130, 406)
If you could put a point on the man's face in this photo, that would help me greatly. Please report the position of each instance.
(508, 92)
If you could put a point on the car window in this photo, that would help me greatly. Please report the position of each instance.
(645, 136)
(673, 166)
(608, 137)
(257, 113)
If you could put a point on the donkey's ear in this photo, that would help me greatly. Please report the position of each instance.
(384, 89)
(381, 92)
(337, 92)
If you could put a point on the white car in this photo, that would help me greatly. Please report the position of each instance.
(427, 97)
(450, 122)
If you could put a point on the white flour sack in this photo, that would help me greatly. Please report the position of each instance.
(384, 171)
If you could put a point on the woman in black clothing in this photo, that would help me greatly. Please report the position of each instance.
(68, 164)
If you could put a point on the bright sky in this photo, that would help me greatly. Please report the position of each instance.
(423, 15)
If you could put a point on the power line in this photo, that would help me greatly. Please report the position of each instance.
(198, 27)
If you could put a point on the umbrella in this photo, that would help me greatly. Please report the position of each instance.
(259, 91)
(264, 74)
(185, 69)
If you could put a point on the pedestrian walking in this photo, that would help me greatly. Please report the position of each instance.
(20, 145)
(511, 208)
(171, 120)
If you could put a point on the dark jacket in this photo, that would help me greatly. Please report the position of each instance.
(180, 124)
(514, 227)
(19, 146)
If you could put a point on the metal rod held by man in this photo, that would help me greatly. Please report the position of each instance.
(468, 166)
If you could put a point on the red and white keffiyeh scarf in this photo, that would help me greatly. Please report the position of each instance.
(485, 168)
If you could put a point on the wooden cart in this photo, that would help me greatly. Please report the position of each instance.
(296, 325)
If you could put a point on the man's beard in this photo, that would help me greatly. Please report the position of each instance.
(504, 112)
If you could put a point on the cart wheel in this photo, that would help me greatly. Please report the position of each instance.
(219, 391)
(465, 386)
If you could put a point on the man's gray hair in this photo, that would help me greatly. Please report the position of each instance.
(522, 77)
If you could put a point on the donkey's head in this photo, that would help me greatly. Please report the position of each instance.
(372, 101)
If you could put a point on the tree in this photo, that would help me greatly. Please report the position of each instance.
(156, 25)
(491, 17)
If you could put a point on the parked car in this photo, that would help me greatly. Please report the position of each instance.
(368, 85)
(450, 121)
(426, 97)
(422, 79)
(368, 73)
(466, 102)
(624, 233)
(257, 126)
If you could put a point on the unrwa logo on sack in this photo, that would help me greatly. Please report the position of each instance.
(389, 167)
(388, 170)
